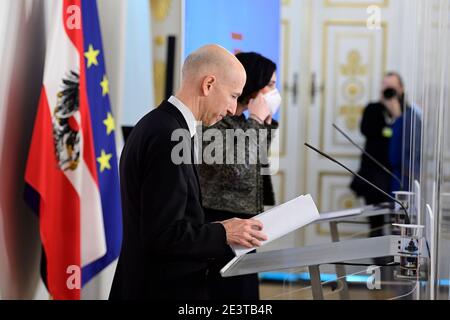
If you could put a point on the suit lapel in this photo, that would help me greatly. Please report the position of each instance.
(171, 109)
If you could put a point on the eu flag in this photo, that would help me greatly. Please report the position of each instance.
(103, 128)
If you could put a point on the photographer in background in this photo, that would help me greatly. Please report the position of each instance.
(405, 143)
(376, 127)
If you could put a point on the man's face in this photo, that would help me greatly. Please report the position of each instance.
(391, 82)
(222, 100)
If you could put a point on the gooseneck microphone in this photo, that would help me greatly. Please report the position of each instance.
(407, 221)
(369, 156)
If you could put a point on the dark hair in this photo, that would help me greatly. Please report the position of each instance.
(259, 71)
(397, 75)
(403, 102)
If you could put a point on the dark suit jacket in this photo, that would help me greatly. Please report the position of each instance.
(166, 243)
(373, 124)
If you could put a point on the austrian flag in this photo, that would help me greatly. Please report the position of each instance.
(71, 174)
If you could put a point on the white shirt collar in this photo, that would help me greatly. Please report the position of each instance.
(187, 114)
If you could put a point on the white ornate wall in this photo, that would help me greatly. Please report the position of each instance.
(166, 20)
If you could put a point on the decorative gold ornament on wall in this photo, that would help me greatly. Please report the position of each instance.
(336, 200)
(352, 115)
(352, 89)
(160, 9)
(159, 41)
(347, 201)
(353, 67)
(159, 80)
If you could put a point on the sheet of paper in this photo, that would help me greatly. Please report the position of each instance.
(284, 219)
(340, 214)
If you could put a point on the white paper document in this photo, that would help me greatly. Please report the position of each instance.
(341, 214)
(284, 219)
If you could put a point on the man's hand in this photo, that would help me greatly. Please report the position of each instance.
(393, 106)
(258, 108)
(244, 232)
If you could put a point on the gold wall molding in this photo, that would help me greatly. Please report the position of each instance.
(355, 4)
(351, 110)
(353, 66)
(160, 9)
(353, 89)
(159, 41)
(346, 201)
(322, 175)
(159, 79)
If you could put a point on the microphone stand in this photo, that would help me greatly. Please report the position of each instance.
(407, 220)
(369, 156)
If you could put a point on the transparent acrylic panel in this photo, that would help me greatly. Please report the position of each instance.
(426, 52)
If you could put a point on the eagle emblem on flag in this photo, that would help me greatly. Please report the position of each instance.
(66, 131)
(72, 176)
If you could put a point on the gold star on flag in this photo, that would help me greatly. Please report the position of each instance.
(109, 123)
(105, 86)
(91, 56)
(104, 161)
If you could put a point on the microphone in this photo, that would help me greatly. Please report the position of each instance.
(407, 221)
(369, 156)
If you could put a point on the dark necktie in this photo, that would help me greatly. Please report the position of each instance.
(194, 166)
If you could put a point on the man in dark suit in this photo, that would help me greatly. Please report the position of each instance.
(166, 242)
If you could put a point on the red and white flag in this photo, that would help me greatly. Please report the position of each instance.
(61, 167)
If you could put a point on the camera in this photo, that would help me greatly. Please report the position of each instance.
(389, 93)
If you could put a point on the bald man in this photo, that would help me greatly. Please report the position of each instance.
(166, 242)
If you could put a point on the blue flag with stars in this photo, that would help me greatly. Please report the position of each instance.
(103, 129)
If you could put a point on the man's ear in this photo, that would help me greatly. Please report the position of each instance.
(208, 84)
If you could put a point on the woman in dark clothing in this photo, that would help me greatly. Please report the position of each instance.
(242, 188)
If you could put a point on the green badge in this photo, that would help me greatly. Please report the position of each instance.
(387, 132)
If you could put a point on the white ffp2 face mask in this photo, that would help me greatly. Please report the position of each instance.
(273, 100)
